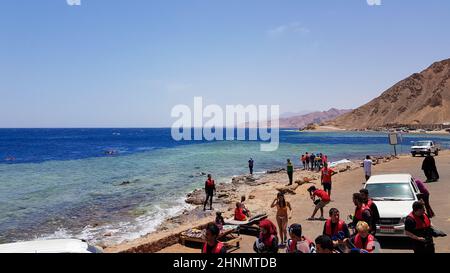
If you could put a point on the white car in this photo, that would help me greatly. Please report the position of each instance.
(394, 195)
(425, 147)
(50, 246)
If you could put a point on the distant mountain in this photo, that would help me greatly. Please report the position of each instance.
(422, 98)
(301, 121)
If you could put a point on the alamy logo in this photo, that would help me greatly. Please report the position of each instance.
(227, 125)
(73, 2)
(374, 2)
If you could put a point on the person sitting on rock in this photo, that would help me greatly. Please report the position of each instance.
(220, 222)
(245, 210)
(238, 213)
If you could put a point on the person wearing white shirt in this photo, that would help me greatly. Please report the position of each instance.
(367, 167)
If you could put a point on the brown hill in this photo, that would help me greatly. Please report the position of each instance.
(314, 117)
(422, 98)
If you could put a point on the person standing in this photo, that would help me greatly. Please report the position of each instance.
(367, 163)
(312, 160)
(418, 229)
(303, 159)
(210, 189)
(362, 212)
(325, 178)
(429, 169)
(307, 160)
(282, 215)
(425, 196)
(290, 171)
(373, 209)
(250, 165)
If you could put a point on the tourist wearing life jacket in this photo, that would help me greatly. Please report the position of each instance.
(363, 241)
(373, 210)
(325, 178)
(335, 228)
(419, 229)
(267, 241)
(239, 213)
(297, 242)
(212, 245)
(324, 245)
(210, 189)
(320, 204)
(362, 212)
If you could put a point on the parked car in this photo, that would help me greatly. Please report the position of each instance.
(50, 246)
(424, 147)
(394, 195)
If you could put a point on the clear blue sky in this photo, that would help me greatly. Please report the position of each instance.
(122, 63)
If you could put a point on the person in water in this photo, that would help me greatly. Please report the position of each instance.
(282, 215)
(210, 189)
(429, 169)
(267, 241)
(212, 245)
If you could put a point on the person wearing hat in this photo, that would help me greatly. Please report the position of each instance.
(297, 242)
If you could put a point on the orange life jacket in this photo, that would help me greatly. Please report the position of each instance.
(239, 214)
(215, 250)
(421, 224)
(339, 227)
(369, 245)
(359, 212)
(210, 183)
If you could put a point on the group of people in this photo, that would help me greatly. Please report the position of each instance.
(337, 236)
(313, 162)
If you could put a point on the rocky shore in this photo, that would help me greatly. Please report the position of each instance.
(227, 195)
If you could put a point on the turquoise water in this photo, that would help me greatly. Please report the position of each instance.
(83, 197)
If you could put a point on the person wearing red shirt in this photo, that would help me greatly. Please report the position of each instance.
(324, 199)
(325, 178)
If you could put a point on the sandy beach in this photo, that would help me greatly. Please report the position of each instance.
(261, 192)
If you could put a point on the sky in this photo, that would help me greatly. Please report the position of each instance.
(122, 63)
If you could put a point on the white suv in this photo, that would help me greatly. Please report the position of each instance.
(394, 195)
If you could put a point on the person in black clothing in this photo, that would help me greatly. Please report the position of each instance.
(373, 209)
(312, 160)
(210, 189)
(418, 228)
(250, 165)
(362, 212)
(212, 245)
(429, 168)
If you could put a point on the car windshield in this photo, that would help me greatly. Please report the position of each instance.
(422, 143)
(390, 191)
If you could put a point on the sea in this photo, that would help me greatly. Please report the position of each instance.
(123, 183)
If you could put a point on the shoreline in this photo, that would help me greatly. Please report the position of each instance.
(168, 232)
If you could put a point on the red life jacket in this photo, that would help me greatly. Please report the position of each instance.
(421, 224)
(369, 246)
(369, 203)
(268, 241)
(239, 214)
(210, 183)
(215, 250)
(293, 244)
(359, 212)
(339, 227)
